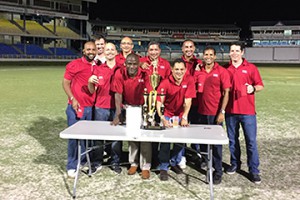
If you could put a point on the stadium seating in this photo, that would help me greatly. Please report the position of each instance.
(33, 50)
(62, 51)
(7, 50)
(9, 28)
(63, 32)
(34, 28)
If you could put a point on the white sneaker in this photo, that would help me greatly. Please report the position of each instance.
(182, 163)
(71, 173)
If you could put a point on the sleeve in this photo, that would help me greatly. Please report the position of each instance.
(225, 79)
(117, 82)
(70, 70)
(191, 88)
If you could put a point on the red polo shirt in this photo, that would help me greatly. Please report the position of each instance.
(210, 88)
(120, 59)
(132, 88)
(163, 66)
(78, 72)
(175, 94)
(191, 64)
(105, 97)
(239, 101)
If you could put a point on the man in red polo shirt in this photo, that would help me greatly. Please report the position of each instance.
(129, 84)
(80, 100)
(179, 89)
(100, 82)
(240, 111)
(191, 62)
(213, 92)
(153, 62)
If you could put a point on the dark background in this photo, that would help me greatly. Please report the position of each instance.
(240, 13)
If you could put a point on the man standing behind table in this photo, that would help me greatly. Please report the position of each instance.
(80, 100)
(100, 82)
(179, 89)
(191, 62)
(240, 111)
(128, 85)
(213, 92)
(153, 62)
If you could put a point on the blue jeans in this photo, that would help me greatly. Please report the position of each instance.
(249, 126)
(217, 149)
(164, 154)
(72, 143)
(106, 114)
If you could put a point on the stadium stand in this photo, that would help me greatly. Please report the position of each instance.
(34, 28)
(63, 32)
(9, 28)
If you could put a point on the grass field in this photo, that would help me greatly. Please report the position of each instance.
(33, 156)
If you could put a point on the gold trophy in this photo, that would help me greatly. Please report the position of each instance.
(149, 107)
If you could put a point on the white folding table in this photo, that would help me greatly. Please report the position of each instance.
(102, 130)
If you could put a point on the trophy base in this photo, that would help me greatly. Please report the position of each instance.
(153, 127)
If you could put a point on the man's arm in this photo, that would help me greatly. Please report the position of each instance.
(67, 88)
(118, 116)
(93, 80)
(220, 116)
(186, 109)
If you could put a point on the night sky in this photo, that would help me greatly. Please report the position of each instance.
(240, 13)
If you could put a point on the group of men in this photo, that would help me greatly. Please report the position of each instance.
(102, 83)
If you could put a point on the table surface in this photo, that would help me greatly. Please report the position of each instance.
(102, 130)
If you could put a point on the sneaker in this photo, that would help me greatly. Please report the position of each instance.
(71, 173)
(163, 175)
(96, 169)
(177, 169)
(232, 169)
(116, 168)
(182, 163)
(132, 170)
(255, 178)
(203, 164)
(217, 179)
(145, 174)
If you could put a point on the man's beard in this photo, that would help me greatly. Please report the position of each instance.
(88, 58)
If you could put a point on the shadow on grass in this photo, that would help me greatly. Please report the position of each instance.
(46, 132)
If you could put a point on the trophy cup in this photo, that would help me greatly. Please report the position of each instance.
(149, 107)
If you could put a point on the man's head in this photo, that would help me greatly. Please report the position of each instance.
(89, 51)
(110, 51)
(209, 55)
(132, 64)
(153, 50)
(188, 48)
(178, 69)
(126, 45)
(236, 51)
(100, 42)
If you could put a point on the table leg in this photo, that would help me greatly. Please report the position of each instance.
(78, 169)
(209, 171)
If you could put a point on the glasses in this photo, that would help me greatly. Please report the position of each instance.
(128, 43)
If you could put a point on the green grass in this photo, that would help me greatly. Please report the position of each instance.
(33, 156)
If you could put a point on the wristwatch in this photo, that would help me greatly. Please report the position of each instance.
(222, 111)
(185, 118)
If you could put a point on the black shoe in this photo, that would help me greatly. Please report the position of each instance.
(116, 168)
(232, 169)
(255, 178)
(217, 179)
(203, 164)
(163, 175)
(177, 169)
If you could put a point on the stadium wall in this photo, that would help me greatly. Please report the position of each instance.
(288, 55)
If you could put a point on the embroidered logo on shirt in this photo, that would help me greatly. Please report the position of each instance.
(141, 80)
(215, 75)
(184, 86)
(162, 67)
(244, 71)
